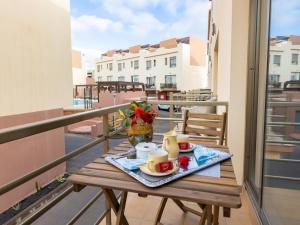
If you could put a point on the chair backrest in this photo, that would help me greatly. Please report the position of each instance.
(212, 125)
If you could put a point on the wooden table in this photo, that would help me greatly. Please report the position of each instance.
(209, 193)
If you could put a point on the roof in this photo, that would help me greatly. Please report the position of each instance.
(184, 40)
(294, 39)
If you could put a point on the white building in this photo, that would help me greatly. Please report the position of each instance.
(79, 70)
(173, 63)
(284, 64)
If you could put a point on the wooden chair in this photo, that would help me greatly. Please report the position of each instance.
(208, 128)
(205, 126)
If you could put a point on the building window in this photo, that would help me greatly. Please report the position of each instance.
(274, 78)
(148, 64)
(154, 62)
(119, 66)
(276, 60)
(136, 64)
(123, 65)
(295, 76)
(101, 66)
(131, 63)
(150, 82)
(135, 78)
(109, 78)
(110, 66)
(107, 66)
(170, 79)
(98, 68)
(99, 79)
(166, 61)
(173, 61)
(295, 57)
(121, 78)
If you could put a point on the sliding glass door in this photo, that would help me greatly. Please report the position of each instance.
(273, 122)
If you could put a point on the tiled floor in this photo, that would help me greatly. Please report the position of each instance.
(142, 211)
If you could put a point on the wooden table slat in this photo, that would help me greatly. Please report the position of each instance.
(182, 184)
(192, 177)
(166, 191)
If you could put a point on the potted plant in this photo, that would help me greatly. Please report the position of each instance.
(138, 120)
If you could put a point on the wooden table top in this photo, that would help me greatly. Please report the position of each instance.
(223, 191)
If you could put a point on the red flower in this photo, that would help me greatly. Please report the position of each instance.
(146, 117)
(133, 119)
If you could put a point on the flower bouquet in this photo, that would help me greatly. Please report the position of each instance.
(138, 120)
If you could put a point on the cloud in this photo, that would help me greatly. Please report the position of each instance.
(190, 16)
(86, 22)
(285, 16)
(194, 20)
(139, 22)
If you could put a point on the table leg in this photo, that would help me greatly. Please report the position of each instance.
(209, 215)
(180, 205)
(160, 211)
(216, 215)
(113, 201)
(120, 215)
(108, 214)
(204, 215)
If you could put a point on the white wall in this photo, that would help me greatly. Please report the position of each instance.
(231, 43)
(35, 59)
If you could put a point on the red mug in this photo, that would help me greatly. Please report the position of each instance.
(184, 145)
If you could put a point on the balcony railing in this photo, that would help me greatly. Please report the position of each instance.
(22, 131)
(150, 86)
(26, 130)
(168, 86)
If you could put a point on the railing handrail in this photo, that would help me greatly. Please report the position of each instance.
(185, 103)
(29, 129)
(284, 104)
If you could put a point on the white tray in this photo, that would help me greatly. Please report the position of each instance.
(154, 181)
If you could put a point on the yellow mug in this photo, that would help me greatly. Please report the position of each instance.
(156, 157)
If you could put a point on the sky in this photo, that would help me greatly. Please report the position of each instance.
(285, 17)
(101, 25)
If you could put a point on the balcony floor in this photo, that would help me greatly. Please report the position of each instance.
(142, 211)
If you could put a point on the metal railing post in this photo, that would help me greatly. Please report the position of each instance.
(105, 133)
(171, 112)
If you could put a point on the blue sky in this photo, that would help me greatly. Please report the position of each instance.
(100, 25)
(285, 17)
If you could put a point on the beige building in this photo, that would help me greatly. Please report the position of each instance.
(173, 63)
(79, 70)
(35, 84)
(36, 68)
(227, 48)
(284, 62)
(264, 155)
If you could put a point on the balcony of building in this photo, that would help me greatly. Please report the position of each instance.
(64, 205)
(168, 86)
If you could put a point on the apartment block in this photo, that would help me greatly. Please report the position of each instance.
(284, 64)
(174, 63)
(79, 70)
